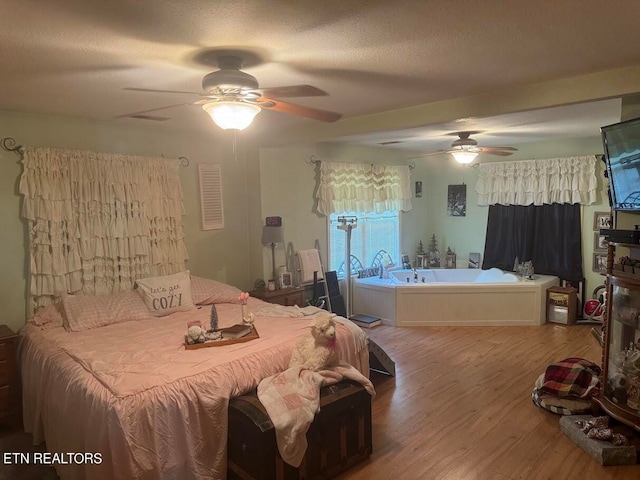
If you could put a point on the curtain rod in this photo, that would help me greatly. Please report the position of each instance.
(9, 144)
(598, 156)
(313, 160)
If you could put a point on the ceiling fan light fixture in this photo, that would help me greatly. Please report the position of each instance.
(231, 115)
(464, 156)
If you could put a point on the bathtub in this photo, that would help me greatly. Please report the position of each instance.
(462, 275)
(440, 297)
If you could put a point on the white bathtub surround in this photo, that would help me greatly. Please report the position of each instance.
(461, 275)
(453, 297)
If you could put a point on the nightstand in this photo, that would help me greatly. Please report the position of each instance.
(284, 296)
(9, 384)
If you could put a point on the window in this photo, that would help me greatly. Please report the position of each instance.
(374, 232)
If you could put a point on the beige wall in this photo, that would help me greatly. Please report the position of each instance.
(288, 183)
(467, 234)
(218, 254)
(271, 181)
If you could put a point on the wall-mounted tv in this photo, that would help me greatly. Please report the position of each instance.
(621, 142)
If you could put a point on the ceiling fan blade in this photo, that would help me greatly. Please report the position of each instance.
(497, 151)
(153, 110)
(436, 152)
(160, 91)
(292, 91)
(508, 149)
(292, 108)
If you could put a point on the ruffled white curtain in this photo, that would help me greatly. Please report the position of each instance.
(99, 221)
(537, 182)
(357, 187)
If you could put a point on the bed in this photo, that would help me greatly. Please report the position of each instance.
(129, 391)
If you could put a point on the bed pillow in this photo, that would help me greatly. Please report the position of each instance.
(51, 315)
(167, 294)
(206, 292)
(83, 312)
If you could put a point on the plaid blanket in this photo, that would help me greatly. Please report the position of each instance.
(571, 377)
(292, 399)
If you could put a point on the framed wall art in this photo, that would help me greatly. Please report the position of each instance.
(457, 200)
(601, 220)
(599, 262)
(418, 188)
(600, 242)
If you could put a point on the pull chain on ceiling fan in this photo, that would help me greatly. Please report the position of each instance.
(233, 99)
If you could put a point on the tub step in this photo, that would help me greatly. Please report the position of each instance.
(365, 321)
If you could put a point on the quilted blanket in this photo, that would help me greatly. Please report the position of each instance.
(571, 377)
(292, 399)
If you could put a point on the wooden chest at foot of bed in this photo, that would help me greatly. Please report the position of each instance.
(339, 437)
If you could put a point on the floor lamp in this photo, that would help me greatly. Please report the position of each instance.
(272, 236)
(347, 223)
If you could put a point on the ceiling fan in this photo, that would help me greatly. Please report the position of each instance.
(232, 97)
(465, 149)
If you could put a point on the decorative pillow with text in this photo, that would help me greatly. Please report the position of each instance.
(167, 294)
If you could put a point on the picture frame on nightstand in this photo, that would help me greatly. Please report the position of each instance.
(286, 280)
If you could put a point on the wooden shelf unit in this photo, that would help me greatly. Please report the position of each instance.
(621, 328)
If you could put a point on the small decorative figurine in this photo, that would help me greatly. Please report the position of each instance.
(434, 254)
(196, 334)
(529, 270)
(214, 318)
(318, 350)
(243, 298)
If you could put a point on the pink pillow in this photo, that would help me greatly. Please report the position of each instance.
(83, 312)
(206, 292)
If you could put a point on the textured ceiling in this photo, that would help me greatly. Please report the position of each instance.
(75, 58)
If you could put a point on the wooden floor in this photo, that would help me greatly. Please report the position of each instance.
(459, 407)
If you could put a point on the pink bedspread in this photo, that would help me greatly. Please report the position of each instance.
(154, 410)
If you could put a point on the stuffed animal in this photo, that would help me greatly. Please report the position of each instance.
(196, 334)
(318, 350)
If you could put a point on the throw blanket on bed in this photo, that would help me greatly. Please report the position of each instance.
(275, 310)
(571, 377)
(292, 399)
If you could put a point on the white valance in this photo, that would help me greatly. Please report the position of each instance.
(357, 187)
(538, 182)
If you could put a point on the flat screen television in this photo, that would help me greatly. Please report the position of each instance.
(621, 142)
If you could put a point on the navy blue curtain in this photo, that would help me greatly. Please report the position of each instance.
(548, 235)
